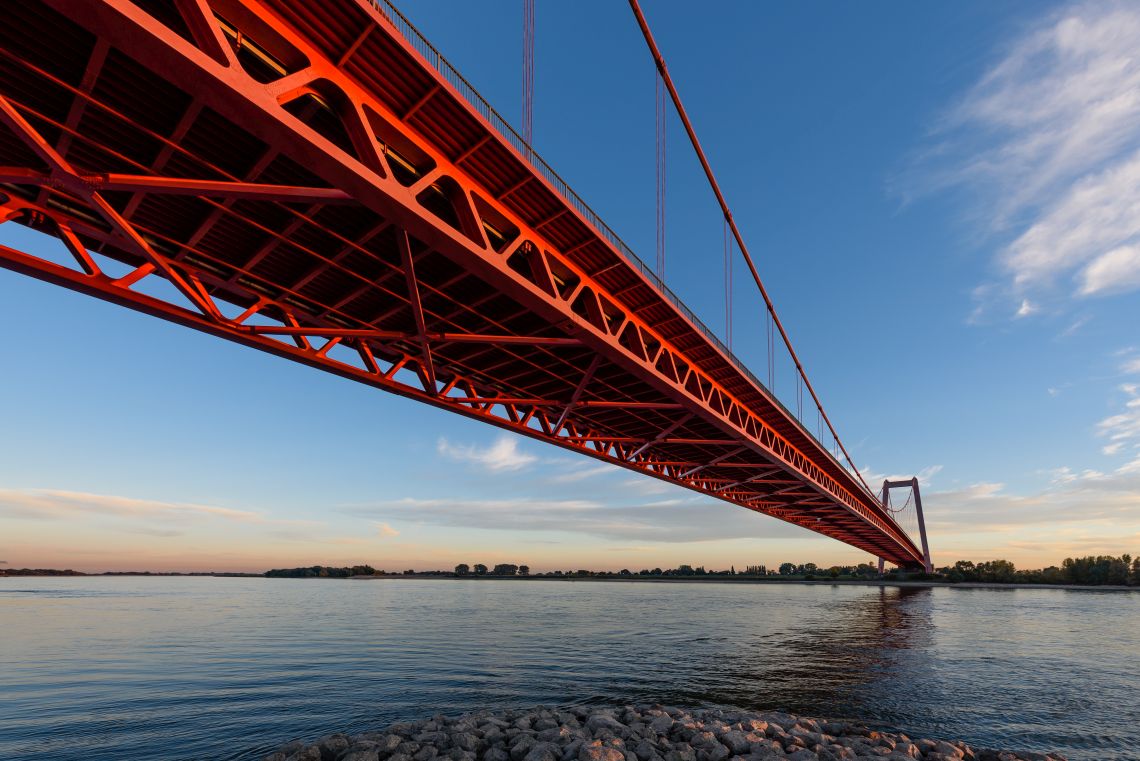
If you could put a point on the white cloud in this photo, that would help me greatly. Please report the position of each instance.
(1123, 428)
(982, 490)
(1048, 142)
(1118, 270)
(1086, 230)
(386, 530)
(1130, 367)
(503, 455)
(1025, 309)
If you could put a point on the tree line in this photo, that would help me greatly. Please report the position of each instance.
(1093, 570)
(321, 572)
(502, 569)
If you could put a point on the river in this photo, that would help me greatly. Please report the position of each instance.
(227, 668)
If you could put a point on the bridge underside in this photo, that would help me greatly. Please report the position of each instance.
(301, 179)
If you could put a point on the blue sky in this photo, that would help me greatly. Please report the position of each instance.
(943, 199)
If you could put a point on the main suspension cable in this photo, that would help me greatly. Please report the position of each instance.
(659, 60)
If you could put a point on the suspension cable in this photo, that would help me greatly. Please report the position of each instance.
(660, 96)
(528, 72)
(659, 60)
(727, 287)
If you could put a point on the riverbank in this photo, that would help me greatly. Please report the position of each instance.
(755, 580)
(635, 733)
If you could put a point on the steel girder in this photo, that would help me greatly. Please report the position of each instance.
(692, 420)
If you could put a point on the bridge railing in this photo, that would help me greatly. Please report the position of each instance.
(480, 104)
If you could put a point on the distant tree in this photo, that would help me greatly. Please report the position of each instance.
(810, 568)
(624, 572)
(462, 569)
(834, 571)
(1136, 571)
(656, 572)
(505, 569)
(787, 569)
(524, 570)
(480, 569)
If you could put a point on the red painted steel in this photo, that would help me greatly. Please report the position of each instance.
(314, 187)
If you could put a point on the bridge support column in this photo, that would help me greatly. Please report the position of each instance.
(928, 566)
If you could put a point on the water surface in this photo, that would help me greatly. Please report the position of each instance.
(228, 668)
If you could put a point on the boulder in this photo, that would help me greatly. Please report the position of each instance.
(544, 751)
(365, 754)
(601, 721)
(601, 753)
(737, 742)
(332, 746)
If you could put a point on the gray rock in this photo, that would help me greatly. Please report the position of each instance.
(600, 753)
(715, 752)
(602, 721)
(426, 753)
(332, 746)
(645, 750)
(803, 754)
(496, 754)
(946, 749)
(364, 754)
(556, 734)
(737, 742)
(464, 740)
(682, 753)
(544, 751)
(310, 753)
(661, 724)
(570, 751)
(521, 746)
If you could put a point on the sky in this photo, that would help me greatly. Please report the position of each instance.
(943, 200)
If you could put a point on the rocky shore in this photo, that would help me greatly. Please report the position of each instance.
(634, 733)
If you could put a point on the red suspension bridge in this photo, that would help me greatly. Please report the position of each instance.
(317, 182)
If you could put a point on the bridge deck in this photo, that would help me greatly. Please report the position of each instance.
(314, 186)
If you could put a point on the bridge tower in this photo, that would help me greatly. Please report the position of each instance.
(912, 484)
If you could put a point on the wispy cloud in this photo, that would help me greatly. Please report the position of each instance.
(924, 476)
(671, 520)
(581, 472)
(1122, 430)
(1048, 140)
(60, 504)
(386, 530)
(503, 455)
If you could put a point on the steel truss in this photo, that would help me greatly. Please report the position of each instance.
(603, 368)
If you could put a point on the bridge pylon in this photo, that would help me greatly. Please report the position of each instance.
(912, 484)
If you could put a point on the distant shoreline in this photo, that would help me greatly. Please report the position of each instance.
(724, 580)
(604, 579)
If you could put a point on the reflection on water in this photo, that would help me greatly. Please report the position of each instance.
(131, 668)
